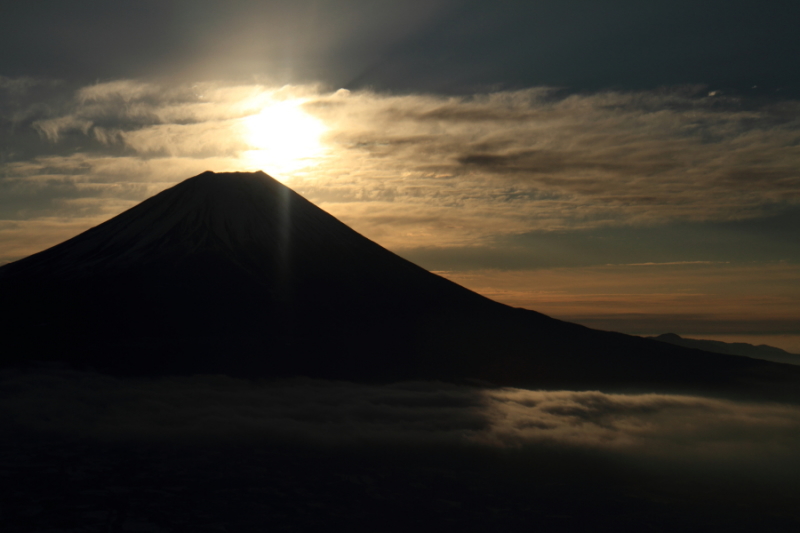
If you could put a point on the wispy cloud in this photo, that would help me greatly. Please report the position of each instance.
(672, 263)
(509, 162)
(19, 85)
(53, 128)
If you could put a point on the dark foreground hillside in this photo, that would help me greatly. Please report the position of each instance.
(91, 487)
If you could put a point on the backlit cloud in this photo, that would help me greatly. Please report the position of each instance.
(510, 162)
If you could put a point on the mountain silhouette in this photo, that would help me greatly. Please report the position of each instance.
(235, 273)
(762, 351)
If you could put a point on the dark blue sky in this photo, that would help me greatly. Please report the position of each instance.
(439, 46)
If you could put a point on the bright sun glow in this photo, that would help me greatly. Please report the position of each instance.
(284, 139)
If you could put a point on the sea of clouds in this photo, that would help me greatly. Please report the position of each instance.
(328, 413)
(74, 443)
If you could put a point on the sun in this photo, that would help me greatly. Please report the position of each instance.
(283, 138)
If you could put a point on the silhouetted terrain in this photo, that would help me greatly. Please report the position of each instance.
(762, 351)
(111, 422)
(62, 486)
(237, 274)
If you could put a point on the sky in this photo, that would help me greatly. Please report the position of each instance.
(632, 166)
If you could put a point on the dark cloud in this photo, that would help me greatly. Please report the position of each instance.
(286, 41)
(591, 46)
(456, 46)
(545, 162)
(767, 239)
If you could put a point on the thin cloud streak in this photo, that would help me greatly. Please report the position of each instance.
(671, 263)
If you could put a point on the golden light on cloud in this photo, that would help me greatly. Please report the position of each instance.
(283, 138)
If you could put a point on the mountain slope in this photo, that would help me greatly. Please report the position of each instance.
(227, 258)
(237, 274)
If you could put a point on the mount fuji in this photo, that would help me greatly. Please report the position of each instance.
(234, 273)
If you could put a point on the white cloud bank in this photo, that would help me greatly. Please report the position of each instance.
(408, 414)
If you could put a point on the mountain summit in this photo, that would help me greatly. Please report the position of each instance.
(235, 273)
(230, 273)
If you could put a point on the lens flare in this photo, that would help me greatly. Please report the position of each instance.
(283, 139)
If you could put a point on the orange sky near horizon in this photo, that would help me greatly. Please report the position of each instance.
(731, 303)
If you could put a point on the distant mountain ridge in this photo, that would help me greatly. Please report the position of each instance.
(234, 273)
(762, 351)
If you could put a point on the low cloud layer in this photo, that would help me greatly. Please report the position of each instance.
(325, 413)
(80, 444)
